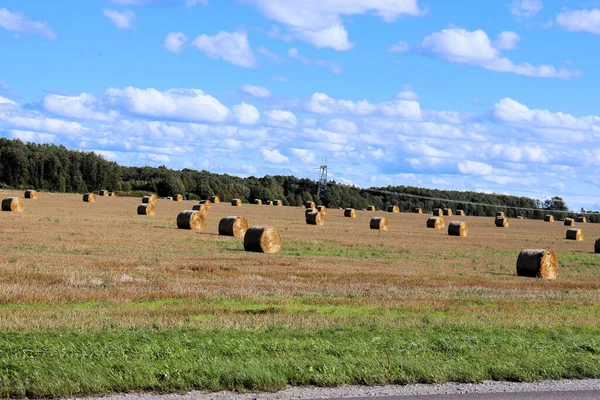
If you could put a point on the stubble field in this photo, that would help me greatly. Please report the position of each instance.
(95, 299)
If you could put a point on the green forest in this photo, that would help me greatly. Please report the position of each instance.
(47, 167)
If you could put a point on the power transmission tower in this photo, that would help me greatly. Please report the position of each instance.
(322, 177)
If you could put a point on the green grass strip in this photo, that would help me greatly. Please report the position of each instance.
(68, 363)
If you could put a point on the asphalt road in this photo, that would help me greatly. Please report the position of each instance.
(577, 394)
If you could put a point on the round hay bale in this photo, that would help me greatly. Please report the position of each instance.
(322, 210)
(233, 226)
(502, 222)
(458, 228)
(418, 210)
(520, 217)
(258, 201)
(205, 202)
(190, 219)
(31, 194)
(168, 198)
(569, 222)
(314, 218)
(350, 213)
(575, 234)
(201, 208)
(448, 212)
(112, 194)
(500, 214)
(379, 223)
(89, 198)
(278, 203)
(437, 212)
(13, 204)
(236, 202)
(309, 210)
(393, 209)
(597, 246)
(177, 197)
(215, 199)
(149, 198)
(460, 213)
(270, 203)
(549, 218)
(436, 223)
(537, 263)
(309, 204)
(371, 208)
(103, 193)
(146, 209)
(262, 239)
(581, 220)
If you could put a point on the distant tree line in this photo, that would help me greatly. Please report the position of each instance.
(48, 167)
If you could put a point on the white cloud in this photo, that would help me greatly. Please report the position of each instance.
(319, 22)
(458, 45)
(79, 107)
(281, 119)
(4, 100)
(29, 136)
(17, 22)
(271, 55)
(474, 168)
(246, 114)
(274, 156)
(506, 40)
(231, 47)
(122, 20)
(342, 126)
(526, 8)
(407, 94)
(182, 104)
(175, 42)
(400, 47)
(256, 91)
(580, 20)
(33, 121)
(305, 155)
(320, 103)
(333, 66)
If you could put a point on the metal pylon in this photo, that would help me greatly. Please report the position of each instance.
(322, 177)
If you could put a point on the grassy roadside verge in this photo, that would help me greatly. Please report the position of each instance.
(57, 363)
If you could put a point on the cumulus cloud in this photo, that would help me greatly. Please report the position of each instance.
(246, 114)
(580, 21)
(122, 20)
(320, 103)
(281, 119)
(29, 136)
(305, 155)
(460, 46)
(319, 22)
(342, 126)
(474, 168)
(33, 121)
(232, 47)
(256, 91)
(18, 22)
(180, 104)
(4, 100)
(506, 40)
(83, 106)
(333, 66)
(274, 156)
(175, 42)
(526, 8)
(400, 47)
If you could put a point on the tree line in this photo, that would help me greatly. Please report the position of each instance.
(48, 167)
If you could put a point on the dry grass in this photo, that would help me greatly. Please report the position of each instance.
(73, 264)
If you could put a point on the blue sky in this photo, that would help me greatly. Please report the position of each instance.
(498, 96)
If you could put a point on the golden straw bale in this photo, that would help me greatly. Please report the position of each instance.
(460, 213)
(190, 219)
(258, 201)
(549, 218)
(447, 212)
(201, 208)
(31, 194)
(537, 263)
(270, 203)
(350, 213)
(13, 204)
(437, 212)
(393, 209)
(575, 234)
(418, 210)
(569, 222)
(103, 193)
(309, 204)
(177, 197)
(597, 245)
(322, 210)
(371, 208)
(236, 202)
(501, 222)
(309, 210)
(215, 199)
(581, 219)
(314, 217)
(146, 209)
(278, 203)
(89, 198)
(436, 223)
(379, 223)
(500, 214)
(233, 226)
(458, 228)
(112, 194)
(262, 239)
(207, 202)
